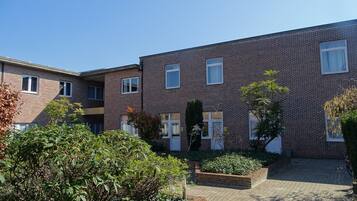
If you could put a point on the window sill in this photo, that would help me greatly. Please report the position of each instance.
(30, 92)
(333, 73)
(335, 140)
(218, 83)
(130, 93)
(65, 96)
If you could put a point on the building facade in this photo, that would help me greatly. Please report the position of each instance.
(314, 63)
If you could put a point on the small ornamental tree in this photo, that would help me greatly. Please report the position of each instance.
(148, 125)
(264, 101)
(8, 105)
(194, 122)
(62, 111)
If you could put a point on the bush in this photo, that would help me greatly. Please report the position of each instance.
(231, 164)
(70, 163)
(349, 130)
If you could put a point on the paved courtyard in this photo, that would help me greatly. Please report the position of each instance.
(304, 179)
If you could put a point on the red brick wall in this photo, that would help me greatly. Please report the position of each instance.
(296, 55)
(117, 103)
(32, 105)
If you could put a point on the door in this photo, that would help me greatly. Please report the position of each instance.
(217, 141)
(275, 146)
(175, 136)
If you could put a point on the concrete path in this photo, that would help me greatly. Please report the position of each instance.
(304, 179)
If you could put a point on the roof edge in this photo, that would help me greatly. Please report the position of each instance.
(324, 26)
(108, 70)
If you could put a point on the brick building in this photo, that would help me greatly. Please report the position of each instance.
(315, 63)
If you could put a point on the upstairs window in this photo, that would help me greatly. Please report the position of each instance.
(130, 85)
(65, 89)
(334, 57)
(214, 71)
(333, 129)
(172, 76)
(95, 93)
(29, 84)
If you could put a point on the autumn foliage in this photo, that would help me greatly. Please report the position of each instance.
(8, 104)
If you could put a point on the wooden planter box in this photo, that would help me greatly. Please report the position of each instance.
(236, 181)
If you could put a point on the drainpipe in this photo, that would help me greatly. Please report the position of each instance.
(141, 68)
(2, 72)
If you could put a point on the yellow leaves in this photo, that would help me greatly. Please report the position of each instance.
(347, 101)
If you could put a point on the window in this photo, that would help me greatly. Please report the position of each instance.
(170, 125)
(172, 76)
(253, 122)
(334, 57)
(130, 85)
(214, 71)
(65, 89)
(128, 127)
(96, 127)
(29, 84)
(23, 126)
(212, 124)
(333, 129)
(95, 93)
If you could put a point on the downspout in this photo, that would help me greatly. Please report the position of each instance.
(141, 68)
(2, 72)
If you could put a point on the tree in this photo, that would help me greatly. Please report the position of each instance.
(194, 118)
(8, 109)
(148, 125)
(264, 101)
(62, 111)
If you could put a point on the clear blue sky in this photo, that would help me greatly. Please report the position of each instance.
(86, 34)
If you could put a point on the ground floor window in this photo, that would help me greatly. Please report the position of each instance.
(212, 124)
(23, 126)
(128, 127)
(170, 125)
(333, 129)
(96, 127)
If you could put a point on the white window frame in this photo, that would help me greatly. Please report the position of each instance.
(214, 65)
(29, 83)
(65, 89)
(210, 122)
(130, 80)
(250, 118)
(169, 125)
(95, 93)
(333, 49)
(328, 138)
(173, 70)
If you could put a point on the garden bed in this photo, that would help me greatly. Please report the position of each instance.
(238, 181)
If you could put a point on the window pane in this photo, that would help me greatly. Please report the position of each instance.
(61, 89)
(172, 79)
(172, 67)
(175, 129)
(164, 117)
(333, 44)
(205, 129)
(99, 93)
(334, 61)
(165, 130)
(134, 84)
(175, 116)
(334, 129)
(217, 115)
(126, 86)
(68, 89)
(91, 92)
(25, 83)
(34, 84)
(205, 116)
(214, 74)
(215, 61)
(253, 122)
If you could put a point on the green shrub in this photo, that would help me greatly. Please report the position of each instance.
(349, 130)
(240, 163)
(70, 163)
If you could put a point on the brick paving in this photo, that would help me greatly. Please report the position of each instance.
(304, 179)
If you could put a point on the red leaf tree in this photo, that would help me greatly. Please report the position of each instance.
(8, 109)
